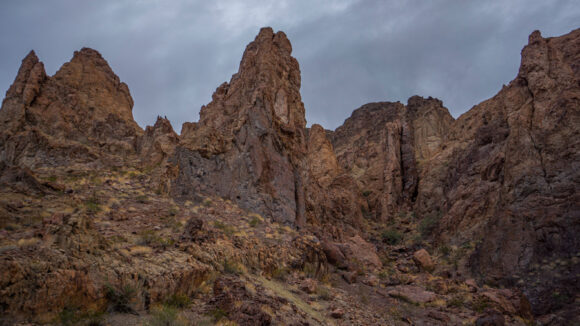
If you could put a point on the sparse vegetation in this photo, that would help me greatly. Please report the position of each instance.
(72, 315)
(11, 227)
(254, 221)
(383, 275)
(227, 229)
(231, 267)
(456, 301)
(479, 304)
(151, 238)
(173, 211)
(120, 298)
(165, 316)
(429, 224)
(178, 300)
(281, 273)
(217, 314)
(142, 199)
(92, 205)
(323, 293)
(391, 237)
(68, 316)
(444, 250)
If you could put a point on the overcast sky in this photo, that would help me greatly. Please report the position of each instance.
(173, 54)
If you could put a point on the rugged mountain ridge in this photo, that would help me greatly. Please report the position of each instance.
(497, 188)
(81, 114)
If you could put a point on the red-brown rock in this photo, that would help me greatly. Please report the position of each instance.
(249, 144)
(423, 260)
(81, 114)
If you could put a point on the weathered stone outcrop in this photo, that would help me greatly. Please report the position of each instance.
(509, 174)
(331, 200)
(249, 144)
(82, 114)
(158, 142)
(381, 144)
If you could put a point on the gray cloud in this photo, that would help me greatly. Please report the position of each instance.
(174, 54)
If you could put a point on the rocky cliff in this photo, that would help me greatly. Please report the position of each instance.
(383, 145)
(509, 174)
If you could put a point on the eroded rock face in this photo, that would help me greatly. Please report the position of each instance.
(381, 144)
(332, 202)
(158, 142)
(249, 144)
(510, 171)
(82, 114)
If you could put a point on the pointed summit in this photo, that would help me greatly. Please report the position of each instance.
(268, 80)
(50, 117)
(23, 91)
(30, 74)
(251, 134)
(88, 69)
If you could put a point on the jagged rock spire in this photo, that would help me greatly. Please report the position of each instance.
(250, 138)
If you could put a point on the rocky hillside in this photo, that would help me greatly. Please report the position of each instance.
(400, 216)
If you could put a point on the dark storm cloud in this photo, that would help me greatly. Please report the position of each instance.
(173, 54)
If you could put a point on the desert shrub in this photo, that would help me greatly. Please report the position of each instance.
(428, 225)
(150, 238)
(445, 250)
(142, 199)
(456, 301)
(392, 237)
(227, 229)
(366, 193)
(92, 205)
(231, 267)
(178, 300)
(68, 316)
(217, 314)
(72, 315)
(281, 273)
(480, 304)
(383, 275)
(120, 298)
(165, 316)
(254, 221)
(147, 237)
(323, 293)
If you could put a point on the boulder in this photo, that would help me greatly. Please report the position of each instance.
(423, 260)
(412, 293)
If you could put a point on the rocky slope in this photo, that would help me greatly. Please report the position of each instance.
(402, 215)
